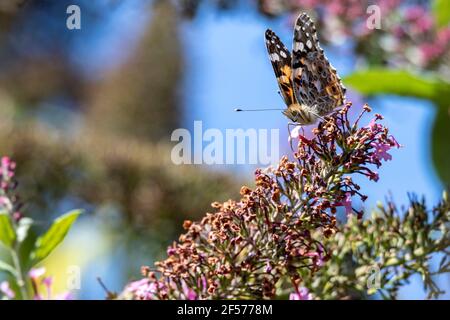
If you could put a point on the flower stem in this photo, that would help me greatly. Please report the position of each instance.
(19, 275)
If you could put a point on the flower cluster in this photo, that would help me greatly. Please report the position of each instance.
(9, 201)
(407, 33)
(256, 247)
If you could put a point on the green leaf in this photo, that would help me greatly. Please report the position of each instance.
(7, 233)
(8, 268)
(440, 144)
(441, 12)
(399, 82)
(46, 243)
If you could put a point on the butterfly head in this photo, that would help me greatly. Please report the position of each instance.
(298, 114)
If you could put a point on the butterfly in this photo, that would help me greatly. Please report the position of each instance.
(309, 85)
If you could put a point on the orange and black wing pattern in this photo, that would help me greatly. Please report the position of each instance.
(281, 61)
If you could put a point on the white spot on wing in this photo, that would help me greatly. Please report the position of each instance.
(309, 44)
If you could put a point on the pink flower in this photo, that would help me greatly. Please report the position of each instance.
(373, 125)
(188, 292)
(6, 162)
(414, 12)
(47, 281)
(424, 24)
(380, 152)
(268, 267)
(7, 168)
(394, 142)
(432, 50)
(171, 251)
(301, 294)
(135, 285)
(336, 8)
(443, 36)
(6, 290)
(64, 296)
(317, 258)
(144, 289)
(36, 273)
(347, 203)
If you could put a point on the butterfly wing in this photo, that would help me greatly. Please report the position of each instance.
(282, 66)
(316, 83)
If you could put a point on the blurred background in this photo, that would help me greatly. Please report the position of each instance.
(88, 114)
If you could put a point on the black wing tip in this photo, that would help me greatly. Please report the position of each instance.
(304, 18)
(305, 21)
(304, 15)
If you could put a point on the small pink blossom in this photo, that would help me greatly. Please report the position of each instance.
(171, 251)
(36, 273)
(64, 296)
(48, 281)
(7, 170)
(188, 292)
(301, 294)
(6, 161)
(268, 267)
(373, 125)
(6, 290)
(443, 36)
(394, 142)
(135, 285)
(144, 289)
(317, 258)
(380, 152)
(347, 203)
(191, 295)
(414, 12)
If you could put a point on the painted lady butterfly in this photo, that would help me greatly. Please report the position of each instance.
(309, 85)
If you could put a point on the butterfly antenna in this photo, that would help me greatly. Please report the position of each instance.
(244, 110)
(109, 294)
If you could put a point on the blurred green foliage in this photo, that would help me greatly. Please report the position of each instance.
(404, 83)
(441, 11)
(380, 254)
(118, 156)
